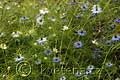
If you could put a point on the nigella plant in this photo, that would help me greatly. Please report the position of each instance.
(117, 20)
(84, 6)
(115, 38)
(19, 58)
(40, 20)
(88, 72)
(63, 78)
(16, 34)
(59, 39)
(96, 9)
(109, 64)
(78, 74)
(90, 67)
(81, 32)
(44, 11)
(56, 59)
(24, 18)
(78, 44)
(41, 40)
(65, 28)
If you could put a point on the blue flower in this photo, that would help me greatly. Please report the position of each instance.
(117, 20)
(115, 38)
(23, 18)
(95, 0)
(78, 44)
(2, 34)
(56, 59)
(81, 32)
(118, 37)
(109, 64)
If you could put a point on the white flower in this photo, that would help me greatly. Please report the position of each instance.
(16, 34)
(117, 79)
(3, 75)
(2, 34)
(88, 72)
(96, 9)
(1, 7)
(95, 42)
(85, 6)
(90, 67)
(65, 28)
(8, 7)
(40, 20)
(3, 46)
(63, 78)
(19, 58)
(41, 40)
(78, 74)
(8, 68)
(44, 11)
